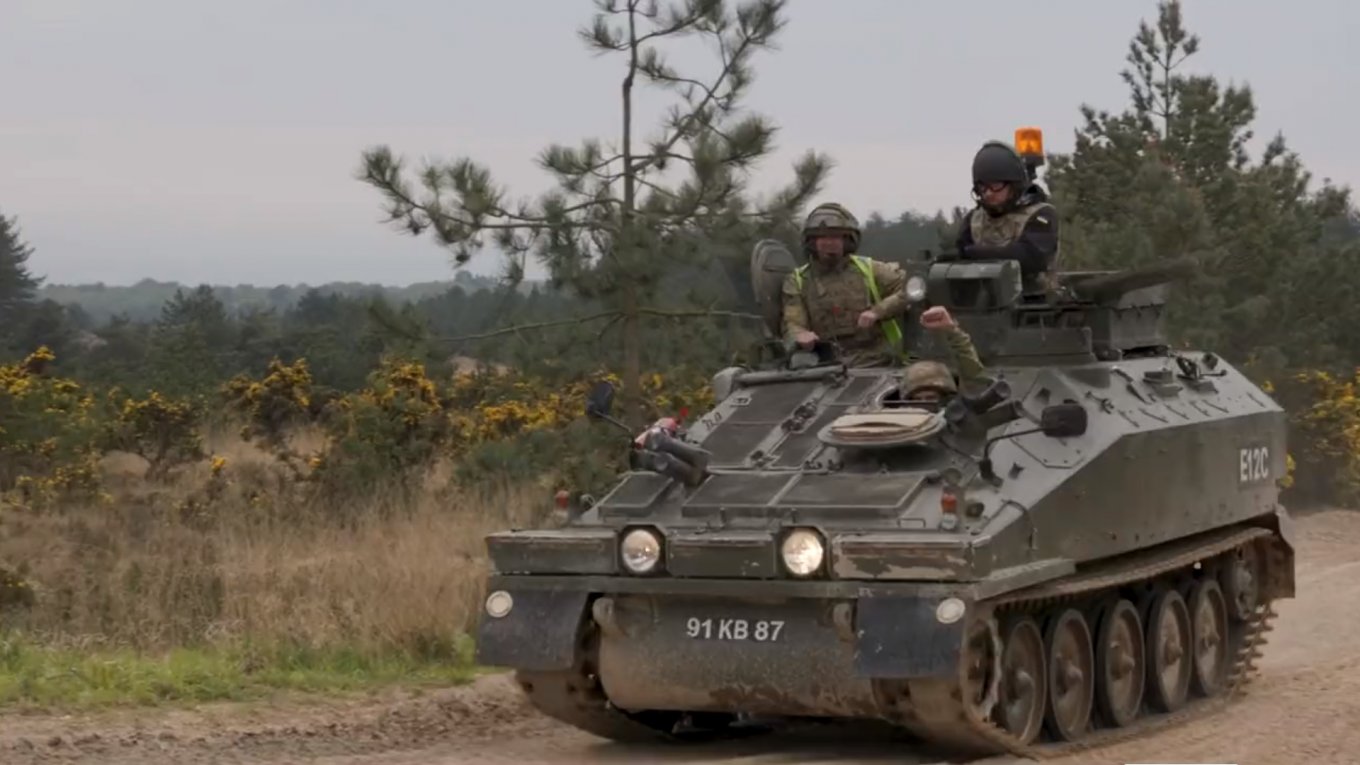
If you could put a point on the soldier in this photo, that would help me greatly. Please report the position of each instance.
(932, 380)
(844, 298)
(1013, 218)
(928, 381)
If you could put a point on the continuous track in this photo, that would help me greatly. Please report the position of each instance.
(966, 725)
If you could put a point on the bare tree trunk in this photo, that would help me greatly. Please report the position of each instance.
(630, 325)
(632, 359)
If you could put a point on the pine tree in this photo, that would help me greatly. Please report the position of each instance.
(1171, 175)
(17, 284)
(622, 223)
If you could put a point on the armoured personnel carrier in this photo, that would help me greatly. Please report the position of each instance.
(1085, 547)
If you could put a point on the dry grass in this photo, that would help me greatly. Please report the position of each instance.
(397, 576)
(147, 599)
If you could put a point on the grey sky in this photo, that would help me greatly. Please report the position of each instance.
(205, 141)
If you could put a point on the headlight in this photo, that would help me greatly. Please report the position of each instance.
(499, 603)
(802, 551)
(640, 550)
(950, 610)
(916, 288)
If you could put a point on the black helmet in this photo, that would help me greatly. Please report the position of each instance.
(998, 162)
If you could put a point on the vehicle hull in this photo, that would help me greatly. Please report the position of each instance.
(624, 664)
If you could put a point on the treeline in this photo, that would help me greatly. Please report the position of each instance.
(94, 304)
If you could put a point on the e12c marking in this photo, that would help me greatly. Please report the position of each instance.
(1253, 464)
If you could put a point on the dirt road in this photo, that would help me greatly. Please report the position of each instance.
(1303, 708)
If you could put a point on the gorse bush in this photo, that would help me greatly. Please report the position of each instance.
(162, 431)
(49, 433)
(1324, 435)
(272, 407)
(491, 424)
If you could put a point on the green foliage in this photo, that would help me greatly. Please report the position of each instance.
(17, 283)
(38, 676)
(164, 432)
(382, 436)
(492, 426)
(1170, 176)
(26, 323)
(192, 343)
(273, 407)
(49, 433)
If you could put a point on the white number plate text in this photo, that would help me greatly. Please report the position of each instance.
(758, 630)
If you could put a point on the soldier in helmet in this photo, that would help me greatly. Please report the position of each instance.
(932, 380)
(928, 381)
(848, 300)
(1013, 219)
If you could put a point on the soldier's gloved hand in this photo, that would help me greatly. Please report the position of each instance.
(868, 319)
(938, 317)
(805, 339)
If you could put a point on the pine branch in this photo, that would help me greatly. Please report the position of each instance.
(700, 313)
(524, 327)
(611, 322)
(683, 124)
(612, 316)
(654, 187)
(678, 24)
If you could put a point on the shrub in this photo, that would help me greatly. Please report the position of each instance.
(162, 431)
(49, 432)
(1325, 419)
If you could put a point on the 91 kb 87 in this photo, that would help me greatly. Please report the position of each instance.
(761, 630)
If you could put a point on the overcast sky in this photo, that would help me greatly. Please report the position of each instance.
(217, 141)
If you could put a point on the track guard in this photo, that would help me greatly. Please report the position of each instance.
(539, 632)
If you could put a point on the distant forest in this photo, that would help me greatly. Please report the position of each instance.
(143, 301)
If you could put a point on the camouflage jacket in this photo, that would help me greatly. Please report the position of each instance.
(829, 302)
(1027, 234)
(966, 362)
(1002, 230)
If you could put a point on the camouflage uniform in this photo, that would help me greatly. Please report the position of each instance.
(1025, 229)
(965, 354)
(937, 376)
(828, 299)
(933, 375)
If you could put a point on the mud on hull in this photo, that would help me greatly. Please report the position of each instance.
(1100, 655)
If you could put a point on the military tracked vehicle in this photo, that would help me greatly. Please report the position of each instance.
(1084, 546)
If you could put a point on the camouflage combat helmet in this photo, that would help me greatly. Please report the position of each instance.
(832, 218)
(928, 375)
